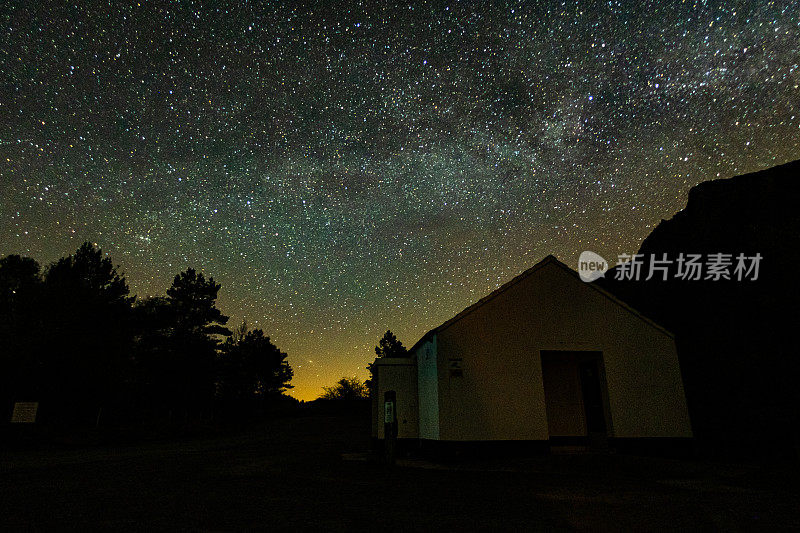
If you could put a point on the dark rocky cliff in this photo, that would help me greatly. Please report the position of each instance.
(736, 339)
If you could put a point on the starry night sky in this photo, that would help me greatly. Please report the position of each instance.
(344, 169)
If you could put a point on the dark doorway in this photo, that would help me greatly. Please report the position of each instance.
(575, 398)
(592, 391)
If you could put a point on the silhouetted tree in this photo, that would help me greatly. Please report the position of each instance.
(388, 346)
(194, 299)
(18, 277)
(238, 333)
(85, 324)
(157, 361)
(20, 327)
(251, 368)
(196, 324)
(346, 389)
(74, 340)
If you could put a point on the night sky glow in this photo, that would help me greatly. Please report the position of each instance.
(344, 169)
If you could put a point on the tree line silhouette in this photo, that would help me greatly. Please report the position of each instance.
(74, 339)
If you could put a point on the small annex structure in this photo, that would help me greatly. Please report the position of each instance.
(545, 360)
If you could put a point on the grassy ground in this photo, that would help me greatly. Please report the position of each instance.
(291, 474)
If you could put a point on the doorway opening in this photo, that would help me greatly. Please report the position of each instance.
(576, 399)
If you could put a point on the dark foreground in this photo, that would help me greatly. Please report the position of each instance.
(291, 474)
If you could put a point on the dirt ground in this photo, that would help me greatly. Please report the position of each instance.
(312, 473)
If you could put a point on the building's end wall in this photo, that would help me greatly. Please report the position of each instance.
(499, 394)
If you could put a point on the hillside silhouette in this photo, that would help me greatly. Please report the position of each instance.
(739, 360)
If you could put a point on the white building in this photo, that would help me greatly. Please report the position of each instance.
(544, 360)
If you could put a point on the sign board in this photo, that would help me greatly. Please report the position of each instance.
(24, 412)
(388, 412)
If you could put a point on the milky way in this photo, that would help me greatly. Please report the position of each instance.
(341, 170)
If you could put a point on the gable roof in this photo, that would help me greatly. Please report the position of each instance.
(549, 260)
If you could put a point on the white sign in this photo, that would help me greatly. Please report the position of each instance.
(24, 412)
(388, 414)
